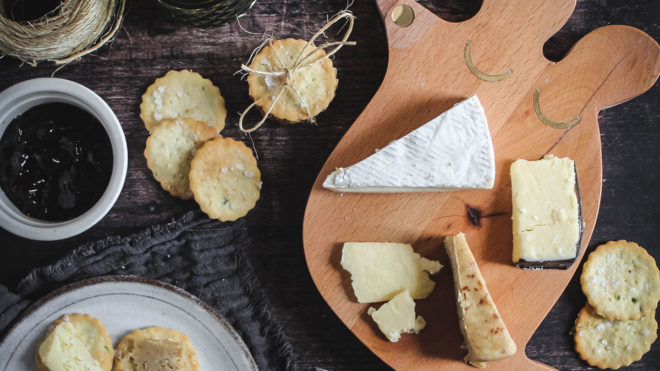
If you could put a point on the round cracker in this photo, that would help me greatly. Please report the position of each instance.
(316, 84)
(612, 344)
(621, 281)
(181, 94)
(225, 179)
(93, 334)
(126, 347)
(169, 150)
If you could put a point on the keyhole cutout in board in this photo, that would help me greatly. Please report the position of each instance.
(403, 15)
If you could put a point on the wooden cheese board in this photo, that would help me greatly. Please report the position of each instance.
(427, 73)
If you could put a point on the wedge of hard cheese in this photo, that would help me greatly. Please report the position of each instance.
(452, 151)
(486, 336)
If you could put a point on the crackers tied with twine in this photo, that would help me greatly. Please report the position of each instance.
(183, 94)
(294, 80)
(315, 84)
(170, 149)
(225, 179)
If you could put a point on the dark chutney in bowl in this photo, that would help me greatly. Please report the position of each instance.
(55, 161)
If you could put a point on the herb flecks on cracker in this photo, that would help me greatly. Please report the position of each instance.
(612, 344)
(621, 281)
(75, 341)
(225, 179)
(170, 149)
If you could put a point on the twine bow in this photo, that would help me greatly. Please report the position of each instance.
(300, 63)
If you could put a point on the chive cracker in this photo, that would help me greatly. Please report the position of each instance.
(78, 339)
(225, 179)
(612, 344)
(170, 148)
(621, 281)
(181, 94)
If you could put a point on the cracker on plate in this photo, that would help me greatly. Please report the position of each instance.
(316, 83)
(155, 348)
(225, 179)
(181, 94)
(621, 281)
(612, 344)
(75, 341)
(170, 148)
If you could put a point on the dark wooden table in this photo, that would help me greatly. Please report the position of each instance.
(149, 44)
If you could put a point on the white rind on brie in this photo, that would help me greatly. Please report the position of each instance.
(452, 151)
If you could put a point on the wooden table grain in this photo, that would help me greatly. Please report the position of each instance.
(149, 44)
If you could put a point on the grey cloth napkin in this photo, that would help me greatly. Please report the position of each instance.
(204, 257)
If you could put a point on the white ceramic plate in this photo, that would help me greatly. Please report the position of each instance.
(122, 304)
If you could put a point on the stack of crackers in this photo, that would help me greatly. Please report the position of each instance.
(185, 113)
(617, 326)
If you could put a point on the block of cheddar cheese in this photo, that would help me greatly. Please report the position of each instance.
(546, 217)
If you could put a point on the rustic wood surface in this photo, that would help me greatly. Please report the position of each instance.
(609, 65)
(149, 44)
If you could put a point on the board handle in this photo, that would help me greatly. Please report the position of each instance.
(615, 64)
(511, 20)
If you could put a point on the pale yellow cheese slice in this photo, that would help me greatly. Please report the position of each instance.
(397, 316)
(380, 270)
(486, 336)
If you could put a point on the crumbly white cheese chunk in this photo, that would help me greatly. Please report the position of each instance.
(64, 350)
(452, 151)
(380, 270)
(486, 335)
(397, 316)
(545, 213)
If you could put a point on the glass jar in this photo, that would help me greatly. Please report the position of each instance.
(206, 13)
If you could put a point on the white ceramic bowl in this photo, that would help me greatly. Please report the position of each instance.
(27, 94)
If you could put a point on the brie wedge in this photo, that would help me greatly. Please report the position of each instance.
(452, 151)
(486, 336)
